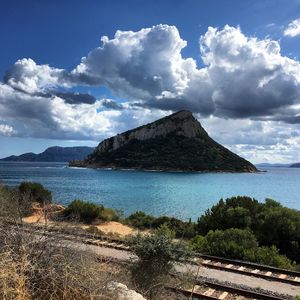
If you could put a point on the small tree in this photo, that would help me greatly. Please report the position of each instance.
(84, 211)
(36, 192)
(156, 254)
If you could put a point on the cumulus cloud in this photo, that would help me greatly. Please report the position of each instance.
(293, 28)
(243, 76)
(250, 77)
(139, 65)
(27, 76)
(245, 84)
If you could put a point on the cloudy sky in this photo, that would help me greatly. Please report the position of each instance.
(75, 72)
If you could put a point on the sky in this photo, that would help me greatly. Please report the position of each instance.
(76, 72)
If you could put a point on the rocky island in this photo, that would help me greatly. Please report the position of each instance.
(177, 142)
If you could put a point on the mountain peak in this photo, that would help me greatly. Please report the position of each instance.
(175, 142)
(182, 114)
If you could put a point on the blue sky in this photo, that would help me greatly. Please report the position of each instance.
(60, 33)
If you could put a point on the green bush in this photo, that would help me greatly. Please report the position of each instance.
(156, 254)
(35, 191)
(84, 211)
(268, 256)
(140, 220)
(89, 212)
(229, 243)
(271, 223)
(239, 244)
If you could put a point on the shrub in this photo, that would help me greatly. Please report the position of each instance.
(239, 244)
(268, 256)
(140, 220)
(236, 212)
(36, 192)
(182, 229)
(88, 212)
(84, 211)
(156, 253)
(271, 223)
(229, 243)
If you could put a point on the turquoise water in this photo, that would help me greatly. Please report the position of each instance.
(182, 195)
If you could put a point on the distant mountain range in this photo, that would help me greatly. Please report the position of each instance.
(53, 154)
(267, 165)
(296, 165)
(276, 165)
(175, 143)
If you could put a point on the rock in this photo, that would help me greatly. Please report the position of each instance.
(175, 143)
(121, 292)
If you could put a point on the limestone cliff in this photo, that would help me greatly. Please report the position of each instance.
(176, 143)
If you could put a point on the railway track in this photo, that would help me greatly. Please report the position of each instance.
(208, 290)
(86, 238)
(211, 262)
(250, 269)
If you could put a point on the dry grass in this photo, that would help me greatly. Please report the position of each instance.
(37, 266)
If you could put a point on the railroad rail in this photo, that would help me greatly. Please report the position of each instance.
(250, 269)
(212, 262)
(209, 290)
(86, 238)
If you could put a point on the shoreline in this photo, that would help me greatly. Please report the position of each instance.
(113, 168)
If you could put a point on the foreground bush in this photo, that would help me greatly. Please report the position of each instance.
(35, 192)
(156, 254)
(271, 223)
(239, 244)
(89, 212)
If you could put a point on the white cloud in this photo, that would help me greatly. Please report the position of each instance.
(27, 76)
(247, 93)
(250, 77)
(139, 65)
(293, 28)
(6, 130)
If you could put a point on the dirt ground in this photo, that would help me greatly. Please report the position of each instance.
(39, 215)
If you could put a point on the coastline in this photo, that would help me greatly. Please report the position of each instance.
(80, 164)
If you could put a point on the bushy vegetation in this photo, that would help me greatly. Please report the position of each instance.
(271, 223)
(156, 254)
(239, 244)
(36, 192)
(142, 221)
(89, 212)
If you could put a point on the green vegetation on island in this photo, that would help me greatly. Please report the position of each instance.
(175, 143)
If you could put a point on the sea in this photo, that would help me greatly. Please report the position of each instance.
(182, 195)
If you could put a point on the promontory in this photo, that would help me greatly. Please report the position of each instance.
(177, 142)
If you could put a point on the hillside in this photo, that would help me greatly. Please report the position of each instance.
(296, 165)
(174, 143)
(53, 154)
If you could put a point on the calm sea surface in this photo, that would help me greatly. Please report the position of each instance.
(182, 195)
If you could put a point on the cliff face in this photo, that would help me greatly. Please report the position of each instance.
(176, 143)
(182, 124)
